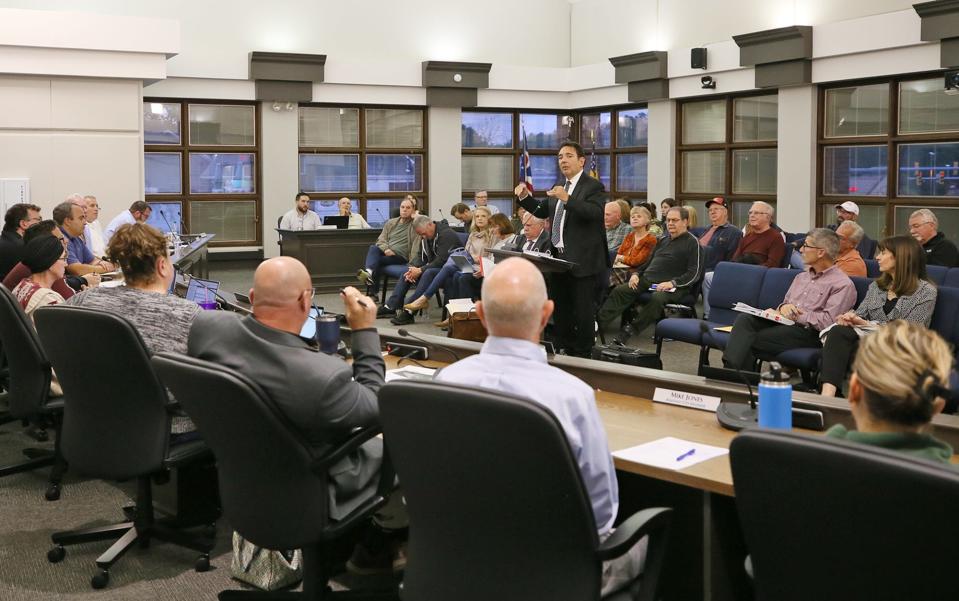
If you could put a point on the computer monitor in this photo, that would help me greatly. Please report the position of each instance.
(202, 290)
(309, 326)
(341, 222)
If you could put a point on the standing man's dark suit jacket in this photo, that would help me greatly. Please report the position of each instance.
(584, 233)
(323, 396)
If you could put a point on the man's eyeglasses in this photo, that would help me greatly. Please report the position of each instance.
(804, 245)
(759, 212)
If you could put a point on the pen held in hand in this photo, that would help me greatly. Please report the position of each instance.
(359, 301)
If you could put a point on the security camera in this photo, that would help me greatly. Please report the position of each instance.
(708, 82)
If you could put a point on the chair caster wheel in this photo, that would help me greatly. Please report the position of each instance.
(56, 554)
(100, 580)
(53, 492)
(202, 563)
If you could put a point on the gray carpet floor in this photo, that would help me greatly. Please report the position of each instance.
(162, 571)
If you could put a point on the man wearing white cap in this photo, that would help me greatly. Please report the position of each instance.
(849, 211)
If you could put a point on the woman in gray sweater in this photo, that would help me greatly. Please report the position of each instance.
(901, 292)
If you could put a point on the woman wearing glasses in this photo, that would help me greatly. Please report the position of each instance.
(902, 291)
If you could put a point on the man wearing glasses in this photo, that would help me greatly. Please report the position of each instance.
(924, 227)
(19, 217)
(763, 244)
(814, 300)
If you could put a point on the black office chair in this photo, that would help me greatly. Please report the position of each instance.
(496, 502)
(832, 520)
(29, 390)
(272, 483)
(116, 426)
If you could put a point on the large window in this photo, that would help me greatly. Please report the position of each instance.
(727, 147)
(202, 169)
(890, 146)
(492, 140)
(373, 155)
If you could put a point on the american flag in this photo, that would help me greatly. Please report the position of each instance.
(525, 169)
(593, 167)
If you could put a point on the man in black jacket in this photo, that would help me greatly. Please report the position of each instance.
(534, 236)
(18, 218)
(924, 227)
(578, 235)
(676, 265)
(437, 240)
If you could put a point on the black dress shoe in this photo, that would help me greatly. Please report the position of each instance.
(403, 318)
(622, 338)
(385, 311)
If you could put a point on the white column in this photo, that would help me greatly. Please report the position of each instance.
(662, 150)
(796, 160)
(280, 164)
(445, 151)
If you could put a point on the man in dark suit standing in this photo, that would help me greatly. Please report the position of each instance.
(577, 234)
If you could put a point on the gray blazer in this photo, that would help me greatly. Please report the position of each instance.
(322, 395)
(916, 307)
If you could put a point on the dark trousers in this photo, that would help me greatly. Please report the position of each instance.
(398, 298)
(753, 337)
(376, 260)
(573, 316)
(465, 285)
(837, 353)
(622, 297)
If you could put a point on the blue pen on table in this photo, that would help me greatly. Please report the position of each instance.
(688, 453)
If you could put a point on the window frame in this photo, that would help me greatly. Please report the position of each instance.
(362, 150)
(184, 149)
(728, 147)
(892, 141)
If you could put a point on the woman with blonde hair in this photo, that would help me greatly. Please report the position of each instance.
(636, 249)
(480, 237)
(899, 378)
(902, 291)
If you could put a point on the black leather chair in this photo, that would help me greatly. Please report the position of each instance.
(116, 426)
(832, 520)
(29, 389)
(272, 483)
(496, 502)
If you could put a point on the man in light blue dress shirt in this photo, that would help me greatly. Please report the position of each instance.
(514, 309)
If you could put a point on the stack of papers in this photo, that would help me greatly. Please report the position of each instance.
(410, 372)
(670, 453)
(460, 305)
(764, 313)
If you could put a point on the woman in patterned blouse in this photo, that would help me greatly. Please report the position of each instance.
(903, 291)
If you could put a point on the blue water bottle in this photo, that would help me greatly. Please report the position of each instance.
(775, 399)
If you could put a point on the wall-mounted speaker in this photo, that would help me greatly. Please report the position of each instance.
(697, 58)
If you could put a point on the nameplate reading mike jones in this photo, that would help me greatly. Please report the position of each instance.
(686, 399)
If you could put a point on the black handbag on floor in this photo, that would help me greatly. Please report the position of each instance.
(614, 353)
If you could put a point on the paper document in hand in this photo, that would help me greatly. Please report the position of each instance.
(670, 453)
(410, 372)
(764, 313)
(460, 305)
(861, 330)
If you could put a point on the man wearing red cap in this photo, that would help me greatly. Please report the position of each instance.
(720, 242)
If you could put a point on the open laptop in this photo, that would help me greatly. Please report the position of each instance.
(202, 290)
(341, 222)
(464, 262)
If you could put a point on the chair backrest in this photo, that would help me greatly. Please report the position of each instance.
(831, 520)
(867, 248)
(733, 283)
(496, 503)
(30, 374)
(776, 283)
(861, 284)
(463, 237)
(698, 231)
(937, 273)
(115, 424)
(872, 268)
(945, 317)
(263, 462)
(952, 278)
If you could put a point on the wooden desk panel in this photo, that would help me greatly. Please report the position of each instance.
(331, 256)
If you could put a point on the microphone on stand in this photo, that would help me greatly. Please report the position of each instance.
(406, 333)
(442, 218)
(732, 416)
(380, 213)
(169, 226)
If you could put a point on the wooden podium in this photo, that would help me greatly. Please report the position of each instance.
(544, 263)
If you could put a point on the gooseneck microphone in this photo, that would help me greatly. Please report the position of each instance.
(380, 213)
(167, 222)
(732, 416)
(406, 334)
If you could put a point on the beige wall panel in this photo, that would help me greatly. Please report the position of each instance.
(25, 154)
(96, 105)
(105, 165)
(24, 102)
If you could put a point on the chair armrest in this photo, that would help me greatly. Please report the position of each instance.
(321, 464)
(627, 534)
(385, 486)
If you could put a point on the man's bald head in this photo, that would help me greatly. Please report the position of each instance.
(514, 303)
(279, 282)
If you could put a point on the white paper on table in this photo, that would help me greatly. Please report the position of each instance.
(410, 372)
(111, 284)
(665, 451)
